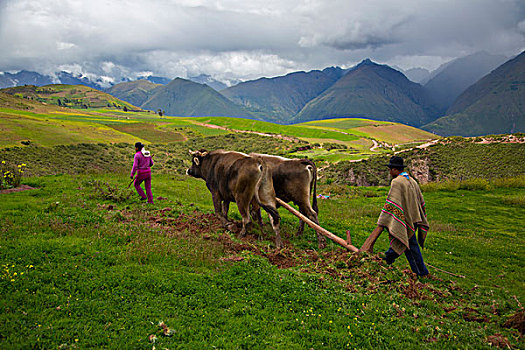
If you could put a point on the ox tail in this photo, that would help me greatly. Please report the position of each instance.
(262, 168)
(312, 169)
(265, 193)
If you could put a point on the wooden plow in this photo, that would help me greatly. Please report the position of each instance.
(346, 244)
(368, 246)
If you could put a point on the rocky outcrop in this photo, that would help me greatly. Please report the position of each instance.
(420, 170)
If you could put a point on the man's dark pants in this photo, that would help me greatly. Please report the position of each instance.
(414, 257)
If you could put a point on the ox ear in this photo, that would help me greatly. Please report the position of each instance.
(196, 161)
(204, 154)
(193, 153)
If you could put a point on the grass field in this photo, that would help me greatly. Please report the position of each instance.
(83, 264)
(44, 130)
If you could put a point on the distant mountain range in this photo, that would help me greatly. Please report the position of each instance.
(182, 97)
(493, 105)
(372, 91)
(135, 92)
(368, 90)
(37, 79)
(33, 78)
(279, 99)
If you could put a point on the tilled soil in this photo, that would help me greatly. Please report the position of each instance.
(358, 273)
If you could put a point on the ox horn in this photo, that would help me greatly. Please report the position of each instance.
(198, 153)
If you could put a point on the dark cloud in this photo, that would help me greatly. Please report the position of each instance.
(232, 39)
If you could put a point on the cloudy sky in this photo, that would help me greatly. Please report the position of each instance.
(247, 39)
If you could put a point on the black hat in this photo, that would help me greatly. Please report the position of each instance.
(396, 162)
(139, 146)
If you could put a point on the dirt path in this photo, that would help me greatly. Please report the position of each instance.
(375, 145)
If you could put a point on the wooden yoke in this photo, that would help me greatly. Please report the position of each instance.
(318, 228)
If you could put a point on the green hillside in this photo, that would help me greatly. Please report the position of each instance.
(26, 121)
(375, 92)
(494, 105)
(279, 99)
(185, 98)
(73, 96)
(135, 92)
(450, 159)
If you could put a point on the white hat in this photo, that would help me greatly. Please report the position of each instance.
(145, 153)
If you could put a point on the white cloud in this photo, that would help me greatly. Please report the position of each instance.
(238, 39)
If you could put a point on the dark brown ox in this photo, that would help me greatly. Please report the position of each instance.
(293, 181)
(237, 177)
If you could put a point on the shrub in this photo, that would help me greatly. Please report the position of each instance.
(10, 176)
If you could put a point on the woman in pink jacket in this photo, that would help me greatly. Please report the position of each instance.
(141, 165)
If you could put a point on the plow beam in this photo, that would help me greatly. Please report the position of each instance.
(318, 228)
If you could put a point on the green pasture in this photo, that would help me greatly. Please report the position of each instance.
(41, 129)
(302, 132)
(345, 123)
(84, 264)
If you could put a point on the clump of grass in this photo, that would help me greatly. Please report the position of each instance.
(10, 176)
(475, 184)
(515, 200)
(509, 182)
(440, 186)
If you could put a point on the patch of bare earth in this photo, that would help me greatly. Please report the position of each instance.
(17, 189)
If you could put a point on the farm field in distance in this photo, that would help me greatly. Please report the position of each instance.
(85, 264)
(26, 120)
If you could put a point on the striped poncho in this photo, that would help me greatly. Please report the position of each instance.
(403, 213)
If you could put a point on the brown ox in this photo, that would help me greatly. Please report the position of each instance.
(237, 177)
(293, 181)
